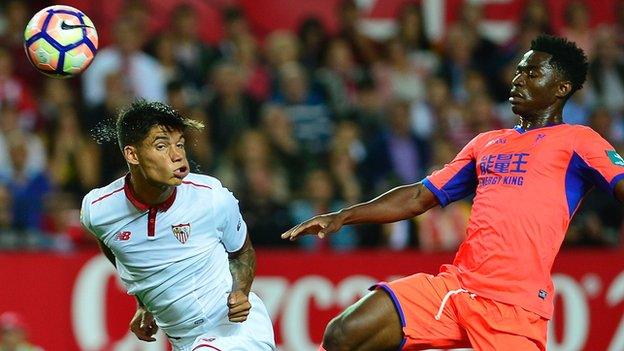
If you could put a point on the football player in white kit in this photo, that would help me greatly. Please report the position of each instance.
(178, 240)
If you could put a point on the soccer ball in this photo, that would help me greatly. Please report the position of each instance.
(60, 41)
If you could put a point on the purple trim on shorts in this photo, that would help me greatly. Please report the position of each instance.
(397, 305)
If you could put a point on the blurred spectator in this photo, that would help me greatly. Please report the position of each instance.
(236, 27)
(425, 115)
(363, 47)
(8, 235)
(231, 111)
(194, 56)
(484, 52)
(618, 27)
(14, 15)
(198, 143)
(55, 94)
(266, 214)
(368, 108)
(14, 334)
(398, 76)
(319, 196)
(457, 61)
(606, 71)
(443, 229)
(35, 161)
(28, 187)
(576, 27)
(252, 149)
(100, 123)
(14, 92)
(347, 154)
(397, 156)
(411, 32)
(143, 75)
(164, 50)
(61, 223)
(597, 223)
(312, 122)
(338, 77)
(535, 16)
(256, 78)
(277, 126)
(280, 48)
(610, 127)
(313, 38)
(578, 108)
(73, 157)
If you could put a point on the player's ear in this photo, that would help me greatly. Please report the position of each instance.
(563, 89)
(131, 155)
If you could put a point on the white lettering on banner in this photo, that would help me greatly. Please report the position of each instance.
(89, 311)
(292, 302)
(272, 291)
(615, 295)
(295, 328)
(576, 315)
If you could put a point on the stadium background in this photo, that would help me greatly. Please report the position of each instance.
(310, 106)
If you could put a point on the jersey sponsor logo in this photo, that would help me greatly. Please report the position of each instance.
(506, 169)
(182, 232)
(123, 236)
(615, 158)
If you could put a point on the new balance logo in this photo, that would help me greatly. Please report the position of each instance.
(123, 236)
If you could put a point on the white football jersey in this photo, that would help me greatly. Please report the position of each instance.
(174, 256)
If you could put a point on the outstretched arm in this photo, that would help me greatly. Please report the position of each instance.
(397, 204)
(243, 269)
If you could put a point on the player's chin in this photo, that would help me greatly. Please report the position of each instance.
(517, 109)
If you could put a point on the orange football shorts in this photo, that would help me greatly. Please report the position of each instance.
(437, 313)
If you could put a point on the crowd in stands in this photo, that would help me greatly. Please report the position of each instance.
(297, 122)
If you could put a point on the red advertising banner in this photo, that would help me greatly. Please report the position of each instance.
(75, 302)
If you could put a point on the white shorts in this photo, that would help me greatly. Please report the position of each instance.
(254, 334)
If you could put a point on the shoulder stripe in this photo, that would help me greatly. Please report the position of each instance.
(107, 195)
(195, 184)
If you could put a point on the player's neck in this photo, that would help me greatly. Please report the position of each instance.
(540, 120)
(148, 193)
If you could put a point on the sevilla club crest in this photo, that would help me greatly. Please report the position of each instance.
(182, 232)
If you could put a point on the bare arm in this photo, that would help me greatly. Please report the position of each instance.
(397, 204)
(243, 267)
(400, 203)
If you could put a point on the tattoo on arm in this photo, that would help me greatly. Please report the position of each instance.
(243, 268)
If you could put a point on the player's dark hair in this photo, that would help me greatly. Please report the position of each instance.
(567, 58)
(135, 121)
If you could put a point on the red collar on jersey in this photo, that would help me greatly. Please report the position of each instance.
(163, 206)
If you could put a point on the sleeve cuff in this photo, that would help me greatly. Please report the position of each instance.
(443, 199)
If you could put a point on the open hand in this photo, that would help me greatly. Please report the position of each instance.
(320, 226)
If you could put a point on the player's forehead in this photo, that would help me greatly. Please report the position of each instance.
(162, 132)
(535, 59)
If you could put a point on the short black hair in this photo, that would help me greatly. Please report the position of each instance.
(567, 58)
(135, 121)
